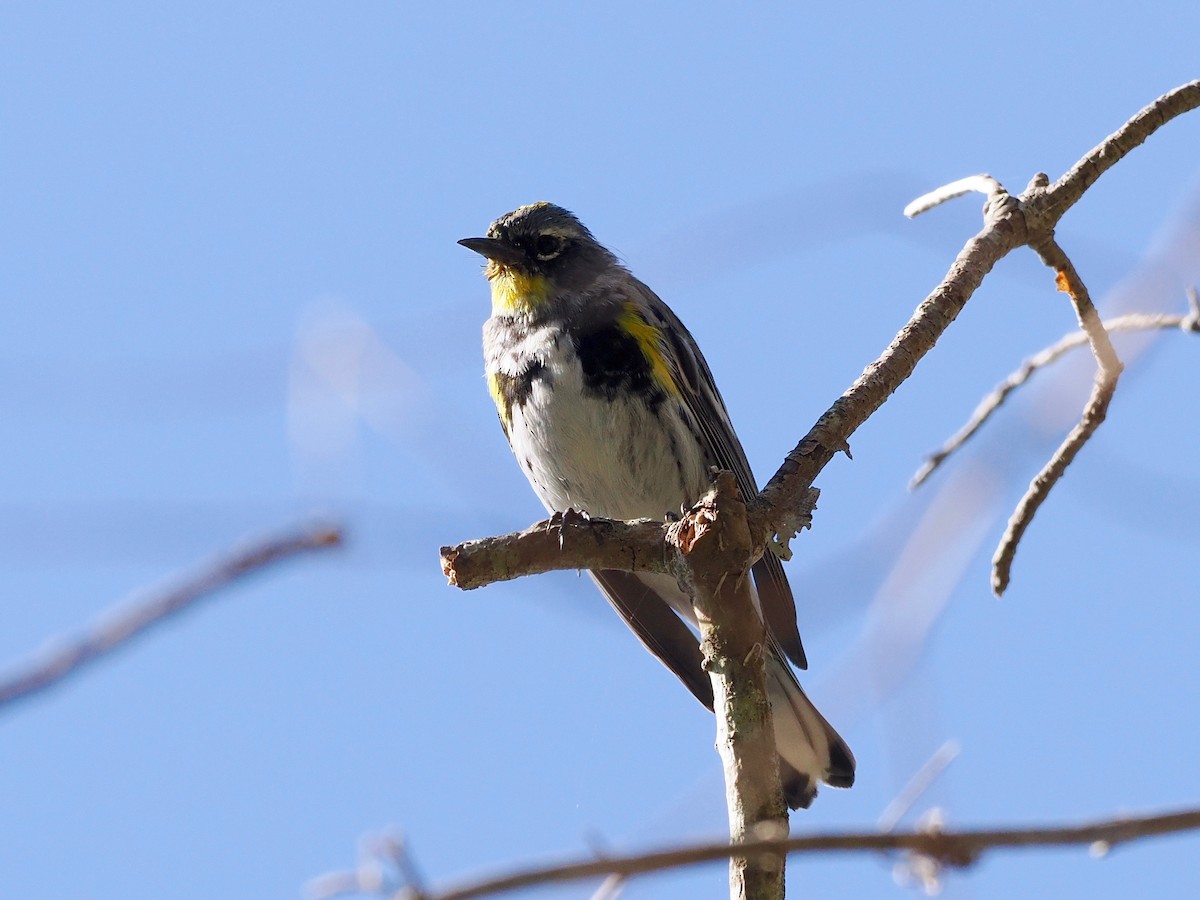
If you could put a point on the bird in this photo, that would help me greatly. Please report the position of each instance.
(611, 410)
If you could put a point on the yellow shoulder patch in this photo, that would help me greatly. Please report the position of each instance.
(649, 341)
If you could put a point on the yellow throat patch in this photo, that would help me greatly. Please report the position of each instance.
(514, 292)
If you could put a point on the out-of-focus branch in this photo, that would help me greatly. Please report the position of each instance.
(930, 772)
(385, 867)
(950, 849)
(1131, 322)
(135, 616)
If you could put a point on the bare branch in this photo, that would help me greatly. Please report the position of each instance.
(1004, 230)
(1063, 194)
(1041, 359)
(732, 636)
(385, 868)
(918, 785)
(1068, 281)
(953, 849)
(983, 184)
(133, 617)
(1010, 222)
(1108, 370)
(570, 540)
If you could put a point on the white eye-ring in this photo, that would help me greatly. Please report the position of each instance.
(548, 245)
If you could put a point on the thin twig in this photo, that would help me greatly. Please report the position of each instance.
(610, 888)
(1041, 359)
(1108, 371)
(383, 870)
(957, 849)
(133, 617)
(915, 866)
(930, 772)
(982, 184)
(395, 849)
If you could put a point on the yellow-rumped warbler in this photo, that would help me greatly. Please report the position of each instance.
(611, 410)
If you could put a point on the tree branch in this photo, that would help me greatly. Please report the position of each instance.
(1063, 194)
(951, 849)
(1004, 231)
(1109, 368)
(131, 618)
(1189, 322)
(567, 540)
(1010, 222)
(715, 537)
(982, 184)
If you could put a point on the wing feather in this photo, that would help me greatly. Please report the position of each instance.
(698, 390)
(658, 627)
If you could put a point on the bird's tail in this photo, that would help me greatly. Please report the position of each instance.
(810, 751)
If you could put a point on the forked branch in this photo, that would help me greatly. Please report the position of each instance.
(1187, 322)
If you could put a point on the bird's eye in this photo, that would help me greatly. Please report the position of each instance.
(548, 246)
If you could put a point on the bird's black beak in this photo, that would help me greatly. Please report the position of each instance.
(496, 250)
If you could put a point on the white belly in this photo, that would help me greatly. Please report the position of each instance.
(611, 458)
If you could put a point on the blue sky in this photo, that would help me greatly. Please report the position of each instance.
(232, 299)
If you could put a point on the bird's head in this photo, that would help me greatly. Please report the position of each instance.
(537, 253)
